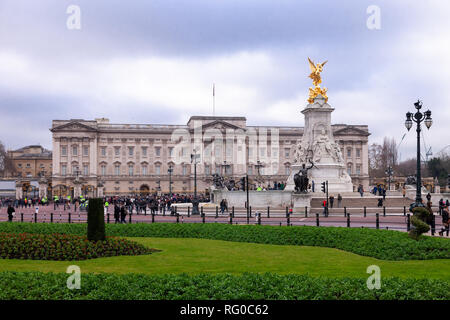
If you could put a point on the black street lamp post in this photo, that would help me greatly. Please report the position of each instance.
(418, 117)
(195, 201)
(389, 172)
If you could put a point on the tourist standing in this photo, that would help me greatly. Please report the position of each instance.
(123, 214)
(331, 201)
(445, 220)
(339, 200)
(116, 213)
(11, 211)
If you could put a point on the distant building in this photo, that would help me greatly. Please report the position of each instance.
(95, 157)
(32, 172)
(31, 162)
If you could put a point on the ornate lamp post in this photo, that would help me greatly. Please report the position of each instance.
(169, 171)
(389, 172)
(195, 210)
(418, 117)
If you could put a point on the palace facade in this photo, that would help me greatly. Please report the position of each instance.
(96, 158)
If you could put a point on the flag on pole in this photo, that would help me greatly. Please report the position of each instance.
(214, 89)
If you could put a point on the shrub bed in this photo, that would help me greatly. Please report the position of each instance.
(64, 247)
(50, 286)
(380, 244)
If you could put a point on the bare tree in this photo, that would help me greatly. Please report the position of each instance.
(382, 156)
(6, 163)
(407, 167)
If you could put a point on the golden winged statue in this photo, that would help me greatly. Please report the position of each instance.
(316, 69)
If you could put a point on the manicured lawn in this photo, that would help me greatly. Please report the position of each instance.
(196, 256)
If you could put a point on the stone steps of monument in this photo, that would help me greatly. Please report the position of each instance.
(369, 202)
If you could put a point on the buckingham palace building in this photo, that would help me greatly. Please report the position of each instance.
(99, 158)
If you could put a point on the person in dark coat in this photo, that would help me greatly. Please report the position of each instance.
(11, 210)
(123, 214)
(445, 220)
(331, 201)
(380, 202)
(116, 213)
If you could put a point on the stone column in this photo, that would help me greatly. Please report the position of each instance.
(42, 189)
(77, 189)
(19, 191)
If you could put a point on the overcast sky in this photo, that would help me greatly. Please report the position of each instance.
(155, 62)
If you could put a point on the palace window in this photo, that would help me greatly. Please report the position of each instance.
(286, 153)
(349, 152)
(184, 170)
(158, 169)
(144, 170)
(358, 169)
(85, 170)
(64, 151)
(117, 169)
(103, 151)
(144, 151)
(158, 151)
(75, 150)
(103, 170)
(287, 170)
(85, 151)
(274, 152)
(262, 152)
(170, 152)
(349, 168)
(63, 170)
(117, 151)
(358, 153)
(130, 169)
(130, 151)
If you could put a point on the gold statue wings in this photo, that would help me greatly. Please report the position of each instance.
(316, 69)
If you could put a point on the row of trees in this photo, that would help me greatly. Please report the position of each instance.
(381, 156)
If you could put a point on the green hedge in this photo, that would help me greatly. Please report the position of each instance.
(381, 244)
(39, 286)
(65, 247)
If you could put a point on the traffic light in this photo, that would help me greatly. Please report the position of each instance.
(243, 183)
(324, 190)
